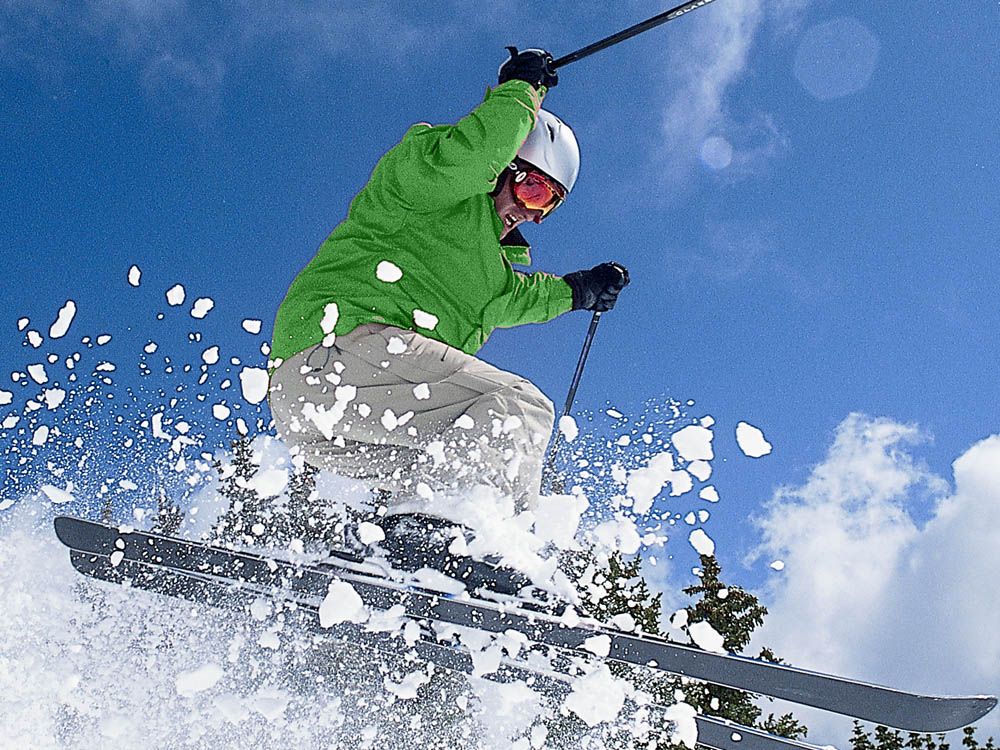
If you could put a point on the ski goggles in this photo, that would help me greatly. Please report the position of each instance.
(536, 192)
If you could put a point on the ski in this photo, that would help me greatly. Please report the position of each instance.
(713, 733)
(868, 702)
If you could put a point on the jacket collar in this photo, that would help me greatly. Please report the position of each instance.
(515, 248)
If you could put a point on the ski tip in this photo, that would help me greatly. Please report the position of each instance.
(62, 526)
(989, 703)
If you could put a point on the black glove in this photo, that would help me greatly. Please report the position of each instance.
(598, 288)
(532, 65)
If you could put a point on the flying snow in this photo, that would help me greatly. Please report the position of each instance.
(751, 440)
(331, 314)
(702, 542)
(254, 382)
(706, 637)
(37, 373)
(175, 295)
(134, 275)
(597, 697)
(196, 680)
(425, 320)
(388, 272)
(66, 314)
(693, 443)
(341, 604)
(201, 307)
(57, 496)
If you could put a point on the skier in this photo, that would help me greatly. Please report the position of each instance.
(374, 369)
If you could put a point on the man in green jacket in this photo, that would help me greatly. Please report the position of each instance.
(374, 369)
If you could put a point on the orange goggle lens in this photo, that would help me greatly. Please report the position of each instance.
(537, 193)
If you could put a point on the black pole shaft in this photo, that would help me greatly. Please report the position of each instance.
(630, 32)
(549, 478)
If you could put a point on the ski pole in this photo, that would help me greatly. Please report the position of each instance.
(630, 32)
(549, 470)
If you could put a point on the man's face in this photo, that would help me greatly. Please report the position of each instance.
(511, 212)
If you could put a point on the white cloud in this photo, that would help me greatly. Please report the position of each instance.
(868, 591)
(706, 60)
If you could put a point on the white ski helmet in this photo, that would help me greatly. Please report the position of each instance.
(552, 147)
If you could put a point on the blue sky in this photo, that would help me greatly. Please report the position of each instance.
(804, 193)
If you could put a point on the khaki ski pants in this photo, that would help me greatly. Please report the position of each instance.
(412, 415)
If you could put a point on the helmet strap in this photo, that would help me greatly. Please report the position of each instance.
(503, 177)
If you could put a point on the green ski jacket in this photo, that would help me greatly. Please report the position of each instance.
(420, 247)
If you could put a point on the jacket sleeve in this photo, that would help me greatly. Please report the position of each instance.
(444, 164)
(532, 298)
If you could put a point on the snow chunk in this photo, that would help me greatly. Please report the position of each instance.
(751, 440)
(597, 697)
(341, 604)
(778, 565)
(709, 494)
(175, 295)
(66, 314)
(253, 381)
(701, 469)
(702, 542)
(407, 689)
(251, 325)
(35, 339)
(38, 374)
(202, 306)
(388, 272)
(706, 637)
(425, 320)
(134, 275)
(57, 496)
(599, 645)
(53, 397)
(646, 483)
(194, 681)
(557, 518)
(210, 356)
(568, 428)
(270, 482)
(620, 535)
(693, 443)
(685, 726)
(22, 323)
(390, 421)
(369, 533)
(6, 397)
(331, 314)
(421, 392)
(220, 412)
(624, 621)
(269, 703)
(396, 345)
(40, 435)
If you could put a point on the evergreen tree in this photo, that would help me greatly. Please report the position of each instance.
(883, 738)
(297, 513)
(618, 590)
(169, 516)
